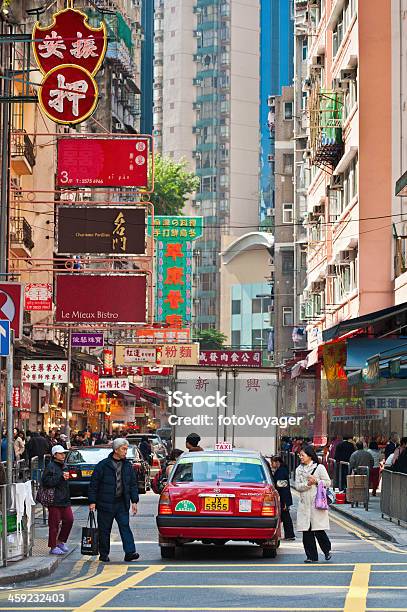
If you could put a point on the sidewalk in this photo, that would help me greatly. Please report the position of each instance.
(372, 519)
(41, 563)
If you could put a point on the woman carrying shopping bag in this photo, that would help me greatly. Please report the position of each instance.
(60, 517)
(312, 521)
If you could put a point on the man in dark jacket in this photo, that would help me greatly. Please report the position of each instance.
(60, 517)
(343, 452)
(112, 487)
(38, 446)
(360, 458)
(281, 479)
(391, 444)
(145, 449)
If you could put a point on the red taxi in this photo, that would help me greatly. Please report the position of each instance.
(215, 496)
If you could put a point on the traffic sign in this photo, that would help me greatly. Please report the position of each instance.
(4, 338)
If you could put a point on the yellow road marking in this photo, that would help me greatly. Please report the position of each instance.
(273, 571)
(364, 535)
(359, 587)
(238, 586)
(108, 573)
(107, 595)
(251, 609)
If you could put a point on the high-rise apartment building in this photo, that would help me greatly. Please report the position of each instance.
(206, 110)
(276, 71)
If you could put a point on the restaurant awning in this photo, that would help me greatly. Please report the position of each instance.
(359, 350)
(364, 321)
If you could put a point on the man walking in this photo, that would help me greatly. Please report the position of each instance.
(112, 487)
(391, 444)
(343, 452)
(360, 458)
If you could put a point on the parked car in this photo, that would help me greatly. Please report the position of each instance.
(80, 463)
(216, 496)
(156, 442)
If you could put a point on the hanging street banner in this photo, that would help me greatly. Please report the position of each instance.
(248, 359)
(69, 52)
(157, 335)
(38, 296)
(102, 162)
(114, 384)
(174, 237)
(16, 397)
(87, 339)
(26, 396)
(89, 388)
(98, 298)
(11, 306)
(165, 354)
(101, 230)
(44, 371)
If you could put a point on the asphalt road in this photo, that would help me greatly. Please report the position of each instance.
(365, 573)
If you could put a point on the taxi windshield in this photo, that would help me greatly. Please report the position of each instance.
(223, 469)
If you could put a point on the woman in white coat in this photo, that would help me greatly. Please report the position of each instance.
(311, 521)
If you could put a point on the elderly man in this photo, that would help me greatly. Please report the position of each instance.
(112, 487)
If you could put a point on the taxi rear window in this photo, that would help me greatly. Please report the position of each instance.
(224, 469)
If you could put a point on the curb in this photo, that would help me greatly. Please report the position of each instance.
(11, 574)
(356, 519)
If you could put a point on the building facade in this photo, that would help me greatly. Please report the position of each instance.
(281, 112)
(206, 111)
(276, 71)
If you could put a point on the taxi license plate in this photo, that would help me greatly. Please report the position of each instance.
(87, 472)
(218, 504)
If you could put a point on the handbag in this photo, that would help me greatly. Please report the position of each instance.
(45, 496)
(90, 537)
(321, 502)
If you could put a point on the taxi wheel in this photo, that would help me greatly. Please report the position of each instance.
(269, 553)
(167, 552)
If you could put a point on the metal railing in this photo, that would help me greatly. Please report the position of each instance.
(394, 495)
(21, 232)
(22, 146)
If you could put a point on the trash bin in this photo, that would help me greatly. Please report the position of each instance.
(15, 542)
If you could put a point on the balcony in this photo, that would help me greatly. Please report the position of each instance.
(400, 255)
(325, 112)
(22, 153)
(21, 242)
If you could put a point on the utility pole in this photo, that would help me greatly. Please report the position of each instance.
(68, 389)
(9, 409)
(5, 152)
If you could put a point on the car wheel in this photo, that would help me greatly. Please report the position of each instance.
(220, 542)
(167, 552)
(269, 553)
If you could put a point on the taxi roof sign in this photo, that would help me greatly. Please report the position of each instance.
(223, 446)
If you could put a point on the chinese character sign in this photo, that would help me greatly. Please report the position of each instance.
(44, 371)
(87, 339)
(248, 359)
(114, 384)
(174, 258)
(69, 53)
(38, 296)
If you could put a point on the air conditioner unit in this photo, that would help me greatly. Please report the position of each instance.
(339, 85)
(196, 130)
(347, 256)
(348, 74)
(331, 271)
(270, 158)
(271, 100)
(336, 182)
(197, 34)
(318, 60)
(270, 212)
